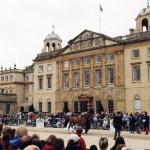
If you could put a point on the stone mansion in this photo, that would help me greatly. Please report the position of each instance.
(93, 72)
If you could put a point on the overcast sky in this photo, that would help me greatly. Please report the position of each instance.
(25, 23)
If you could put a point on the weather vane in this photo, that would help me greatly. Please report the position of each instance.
(53, 27)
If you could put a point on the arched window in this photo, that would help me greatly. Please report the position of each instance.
(145, 24)
(53, 46)
(47, 46)
(137, 104)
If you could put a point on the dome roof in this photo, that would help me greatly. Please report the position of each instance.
(53, 36)
(144, 11)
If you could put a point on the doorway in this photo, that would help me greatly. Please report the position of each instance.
(84, 106)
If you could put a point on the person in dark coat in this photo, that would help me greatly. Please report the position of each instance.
(132, 123)
(117, 122)
(146, 122)
(87, 126)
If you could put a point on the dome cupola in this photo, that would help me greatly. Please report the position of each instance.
(52, 42)
(143, 20)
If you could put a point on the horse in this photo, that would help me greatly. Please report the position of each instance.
(81, 120)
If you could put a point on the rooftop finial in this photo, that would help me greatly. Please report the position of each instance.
(53, 27)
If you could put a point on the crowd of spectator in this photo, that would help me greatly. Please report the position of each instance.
(19, 139)
(133, 121)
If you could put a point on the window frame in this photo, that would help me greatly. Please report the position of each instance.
(49, 67)
(87, 60)
(40, 69)
(134, 53)
(66, 64)
(49, 82)
(40, 83)
(76, 79)
(85, 80)
(110, 57)
(40, 106)
(66, 80)
(76, 106)
(133, 73)
(75, 62)
(100, 77)
(110, 77)
(98, 59)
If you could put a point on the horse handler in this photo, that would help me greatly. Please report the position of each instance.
(87, 125)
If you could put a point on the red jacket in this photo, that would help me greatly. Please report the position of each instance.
(48, 147)
(81, 143)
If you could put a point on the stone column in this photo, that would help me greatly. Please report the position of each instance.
(92, 73)
(60, 78)
(70, 75)
(81, 73)
(116, 79)
(104, 70)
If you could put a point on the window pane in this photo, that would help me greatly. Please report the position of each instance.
(110, 106)
(40, 106)
(76, 62)
(86, 78)
(87, 60)
(49, 82)
(110, 75)
(76, 79)
(97, 59)
(40, 68)
(98, 77)
(148, 51)
(136, 73)
(110, 57)
(135, 53)
(66, 80)
(7, 108)
(149, 72)
(75, 106)
(49, 106)
(40, 83)
(66, 64)
(49, 67)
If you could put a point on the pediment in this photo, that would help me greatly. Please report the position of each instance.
(85, 96)
(89, 39)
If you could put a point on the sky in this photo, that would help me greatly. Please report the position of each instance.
(24, 24)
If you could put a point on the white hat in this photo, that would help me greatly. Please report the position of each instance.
(74, 138)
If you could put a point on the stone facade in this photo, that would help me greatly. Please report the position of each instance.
(93, 72)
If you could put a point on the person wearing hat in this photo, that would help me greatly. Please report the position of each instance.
(73, 143)
(81, 141)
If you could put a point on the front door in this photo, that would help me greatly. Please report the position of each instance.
(83, 106)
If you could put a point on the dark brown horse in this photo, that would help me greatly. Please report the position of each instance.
(81, 120)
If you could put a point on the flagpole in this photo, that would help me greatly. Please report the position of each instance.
(100, 20)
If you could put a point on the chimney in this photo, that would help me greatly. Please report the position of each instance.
(131, 30)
